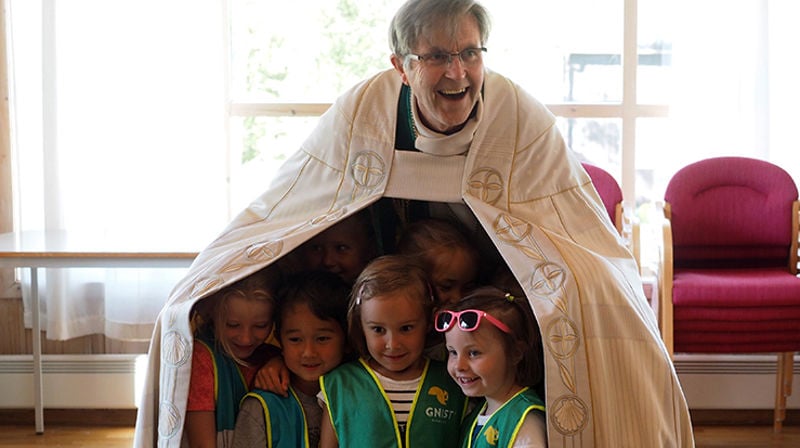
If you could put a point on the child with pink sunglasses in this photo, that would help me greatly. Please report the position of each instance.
(494, 351)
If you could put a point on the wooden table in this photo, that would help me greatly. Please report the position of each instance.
(40, 249)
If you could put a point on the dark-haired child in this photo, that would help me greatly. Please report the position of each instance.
(310, 324)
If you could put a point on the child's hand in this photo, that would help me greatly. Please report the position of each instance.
(273, 376)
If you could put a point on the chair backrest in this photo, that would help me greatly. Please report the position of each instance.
(607, 187)
(731, 212)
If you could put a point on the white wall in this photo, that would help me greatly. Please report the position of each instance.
(110, 381)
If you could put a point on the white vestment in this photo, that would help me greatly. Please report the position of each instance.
(609, 379)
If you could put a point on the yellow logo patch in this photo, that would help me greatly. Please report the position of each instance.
(440, 394)
(492, 435)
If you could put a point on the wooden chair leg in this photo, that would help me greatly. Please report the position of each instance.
(783, 386)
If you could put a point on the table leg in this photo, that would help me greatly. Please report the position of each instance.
(37, 354)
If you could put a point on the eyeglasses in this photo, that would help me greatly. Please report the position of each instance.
(468, 320)
(468, 56)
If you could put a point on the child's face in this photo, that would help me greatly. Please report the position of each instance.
(343, 249)
(395, 327)
(247, 325)
(311, 346)
(454, 272)
(478, 362)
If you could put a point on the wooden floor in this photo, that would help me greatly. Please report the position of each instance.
(67, 436)
(745, 437)
(122, 437)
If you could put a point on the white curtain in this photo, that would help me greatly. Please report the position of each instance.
(118, 131)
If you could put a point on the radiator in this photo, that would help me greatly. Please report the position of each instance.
(732, 381)
(73, 381)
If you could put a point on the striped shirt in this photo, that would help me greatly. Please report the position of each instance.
(401, 395)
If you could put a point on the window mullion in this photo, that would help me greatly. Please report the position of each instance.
(630, 62)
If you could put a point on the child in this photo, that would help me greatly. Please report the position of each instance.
(495, 353)
(310, 323)
(445, 253)
(344, 248)
(230, 329)
(368, 401)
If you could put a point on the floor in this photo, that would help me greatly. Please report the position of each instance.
(67, 436)
(746, 437)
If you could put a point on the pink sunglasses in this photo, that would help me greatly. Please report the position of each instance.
(468, 320)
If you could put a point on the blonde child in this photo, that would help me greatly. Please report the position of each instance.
(368, 402)
(310, 323)
(450, 259)
(230, 329)
(494, 352)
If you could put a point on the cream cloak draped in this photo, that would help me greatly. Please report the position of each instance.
(609, 379)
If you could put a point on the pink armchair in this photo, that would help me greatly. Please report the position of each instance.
(728, 274)
(611, 195)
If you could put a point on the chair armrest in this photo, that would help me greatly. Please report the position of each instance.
(665, 273)
(628, 228)
(793, 258)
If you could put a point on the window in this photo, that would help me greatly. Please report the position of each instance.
(641, 122)
(288, 62)
(164, 116)
(569, 56)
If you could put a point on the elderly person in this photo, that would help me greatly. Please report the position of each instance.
(441, 135)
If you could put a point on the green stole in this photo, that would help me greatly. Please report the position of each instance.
(285, 419)
(229, 386)
(362, 414)
(502, 427)
(405, 135)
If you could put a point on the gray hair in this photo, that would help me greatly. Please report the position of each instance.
(417, 18)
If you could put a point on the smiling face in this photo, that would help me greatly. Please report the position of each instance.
(445, 95)
(311, 346)
(478, 362)
(247, 324)
(395, 326)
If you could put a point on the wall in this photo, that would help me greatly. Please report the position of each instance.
(95, 372)
(110, 381)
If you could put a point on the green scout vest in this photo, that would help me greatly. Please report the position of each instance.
(362, 414)
(229, 387)
(502, 427)
(285, 419)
